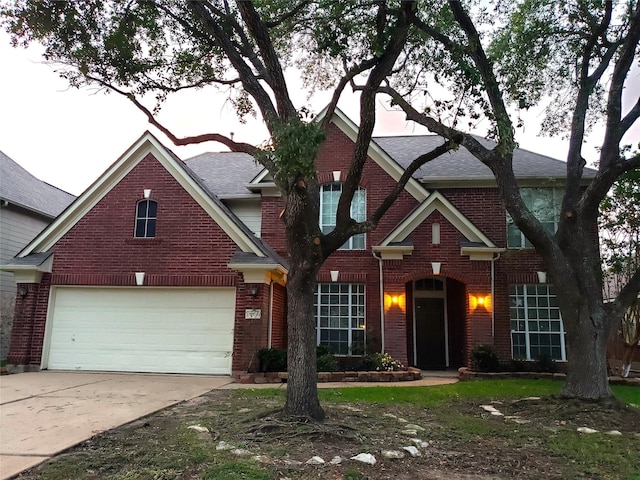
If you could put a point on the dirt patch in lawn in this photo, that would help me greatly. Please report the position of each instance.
(460, 439)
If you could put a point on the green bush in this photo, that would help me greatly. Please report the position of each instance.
(380, 362)
(546, 364)
(272, 359)
(518, 365)
(484, 359)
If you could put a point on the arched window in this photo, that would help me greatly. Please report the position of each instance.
(329, 198)
(146, 215)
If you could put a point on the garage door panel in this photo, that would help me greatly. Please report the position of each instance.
(178, 330)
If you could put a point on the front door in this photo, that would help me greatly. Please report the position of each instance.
(431, 352)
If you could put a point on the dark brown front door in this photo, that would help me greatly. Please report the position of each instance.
(430, 333)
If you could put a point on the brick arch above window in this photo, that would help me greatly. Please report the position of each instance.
(146, 219)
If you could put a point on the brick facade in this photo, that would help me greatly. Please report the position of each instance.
(191, 250)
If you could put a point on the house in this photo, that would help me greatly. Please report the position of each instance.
(170, 266)
(27, 205)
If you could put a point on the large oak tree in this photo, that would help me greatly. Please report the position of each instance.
(575, 58)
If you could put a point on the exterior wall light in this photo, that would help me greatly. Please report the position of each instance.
(480, 301)
(395, 300)
(253, 291)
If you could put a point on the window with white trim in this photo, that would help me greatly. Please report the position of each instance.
(340, 317)
(329, 198)
(536, 323)
(545, 204)
(146, 216)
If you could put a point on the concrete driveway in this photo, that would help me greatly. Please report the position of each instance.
(44, 413)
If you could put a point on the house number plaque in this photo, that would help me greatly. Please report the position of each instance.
(253, 314)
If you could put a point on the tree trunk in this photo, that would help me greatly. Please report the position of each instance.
(305, 259)
(302, 383)
(587, 332)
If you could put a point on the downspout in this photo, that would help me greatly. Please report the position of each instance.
(270, 323)
(493, 286)
(381, 286)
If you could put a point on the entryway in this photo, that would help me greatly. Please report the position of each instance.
(439, 319)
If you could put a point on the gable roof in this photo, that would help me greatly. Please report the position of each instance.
(461, 166)
(436, 202)
(146, 144)
(19, 187)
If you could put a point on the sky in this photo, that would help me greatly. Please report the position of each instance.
(68, 137)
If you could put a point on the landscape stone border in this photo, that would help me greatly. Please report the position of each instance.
(408, 375)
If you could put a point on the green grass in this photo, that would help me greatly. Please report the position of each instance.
(440, 394)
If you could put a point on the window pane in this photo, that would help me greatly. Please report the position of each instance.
(340, 317)
(151, 227)
(140, 230)
(533, 319)
(142, 209)
(153, 209)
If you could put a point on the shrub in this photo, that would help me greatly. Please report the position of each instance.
(381, 362)
(272, 359)
(546, 364)
(518, 365)
(484, 359)
(325, 361)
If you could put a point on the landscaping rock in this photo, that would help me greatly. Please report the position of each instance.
(241, 452)
(337, 460)
(614, 432)
(365, 458)
(392, 454)
(413, 451)
(411, 426)
(198, 428)
(586, 430)
(315, 461)
(420, 443)
(224, 446)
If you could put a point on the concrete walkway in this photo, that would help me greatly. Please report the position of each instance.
(45, 413)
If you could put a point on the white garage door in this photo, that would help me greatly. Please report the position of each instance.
(168, 330)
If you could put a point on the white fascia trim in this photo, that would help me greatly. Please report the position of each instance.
(259, 178)
(146, 144)
(266, 189)
(481, 253)
(393, 252)
(437, 202)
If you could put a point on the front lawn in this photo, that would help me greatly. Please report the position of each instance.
(455, 429)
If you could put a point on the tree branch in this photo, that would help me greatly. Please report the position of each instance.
(207, 137)
(249, 80)
(379, 72)
(277, 82)
(286, 16)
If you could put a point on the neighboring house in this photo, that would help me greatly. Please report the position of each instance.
(27, 205)
(171, 266)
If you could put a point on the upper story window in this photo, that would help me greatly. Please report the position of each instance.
(545, 204)
(329, 198)
(146, 215)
